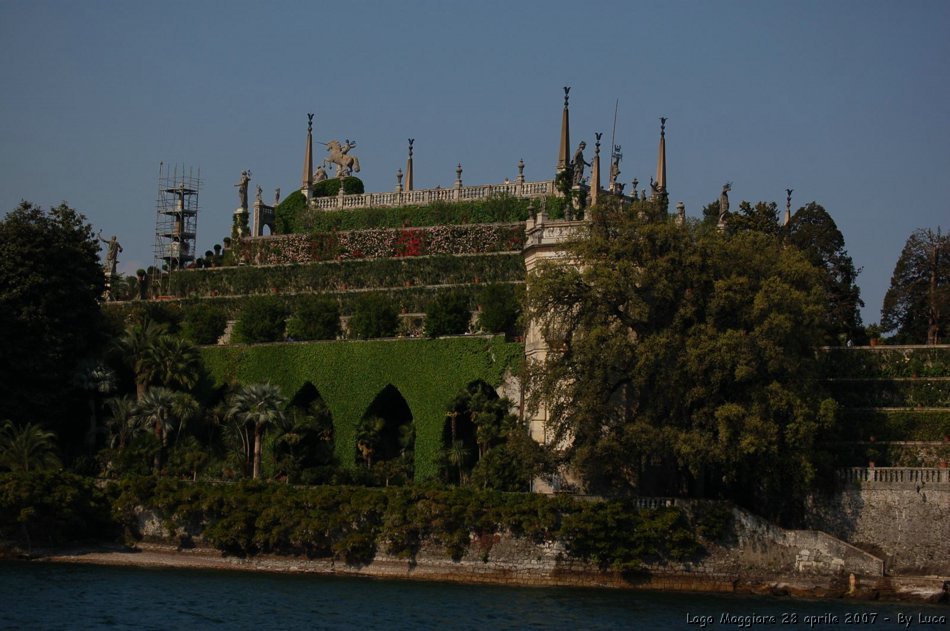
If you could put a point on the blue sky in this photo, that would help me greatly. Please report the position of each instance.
(845, 102)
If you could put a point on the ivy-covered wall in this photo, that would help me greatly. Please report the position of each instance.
(349, 376)
(352, 274)
(890, 393)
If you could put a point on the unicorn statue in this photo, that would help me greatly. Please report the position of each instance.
(340, 156)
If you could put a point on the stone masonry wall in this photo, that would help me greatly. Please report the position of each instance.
(908, 526)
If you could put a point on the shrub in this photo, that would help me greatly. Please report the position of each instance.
(204, 323)
(499, 308)
(331, 186)
(286, 213)
(316, 318)
(374, 316)
(448, 314)
(262, 319)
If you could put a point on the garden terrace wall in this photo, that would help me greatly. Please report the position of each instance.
(883, 362)
(381, 243)
(498, 209)
(349, 376)
(406, 300)
(349, 274)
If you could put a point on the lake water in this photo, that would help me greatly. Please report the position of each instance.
(53, 596)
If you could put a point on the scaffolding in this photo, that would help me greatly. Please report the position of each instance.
(176, 218)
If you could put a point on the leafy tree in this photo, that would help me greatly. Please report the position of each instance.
(814, 232)
(28, 448)
(256, 407)
(500, 308)
(763, 217)
(50, 284)
(447, 314)
(263, 319)
(683, 360)
(373, 316)
(317, 318)
(287, 211)
(917, 305)
(204, 323)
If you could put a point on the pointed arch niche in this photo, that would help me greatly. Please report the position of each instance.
(386, 432)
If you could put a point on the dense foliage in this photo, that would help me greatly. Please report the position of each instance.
(351, 274)
(499, 307)
(50, 281)
(917, 304)
(448, 314)
(204, 323)
(685, 360)
(373, 316)
(315, 318)
(263, 319)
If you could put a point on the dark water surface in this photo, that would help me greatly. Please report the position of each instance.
(54, 596)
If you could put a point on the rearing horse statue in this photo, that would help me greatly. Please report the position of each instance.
(339, 155)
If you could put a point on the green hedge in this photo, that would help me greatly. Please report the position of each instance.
(494, 210)
(885, 362)
(352, 274)
(349, 375)
(406, 300)
(896, 424)
(921, 392)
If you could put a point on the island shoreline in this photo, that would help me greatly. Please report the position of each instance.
(922, 589)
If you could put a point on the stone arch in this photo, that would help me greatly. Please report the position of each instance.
(386, 431)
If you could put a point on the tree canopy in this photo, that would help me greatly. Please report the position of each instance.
(683, 360)
(917, 304)
(50, 284)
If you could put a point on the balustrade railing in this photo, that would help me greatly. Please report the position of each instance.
(430, 195)
(895, 475)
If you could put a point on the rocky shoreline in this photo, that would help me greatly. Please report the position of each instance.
(428, 567)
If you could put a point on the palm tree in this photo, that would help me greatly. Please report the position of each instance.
(258, 405)
(156, 410)
(120, 421)
(137, 346)
(458, 455)
(28, 448)
(368, 437)
(176, 361)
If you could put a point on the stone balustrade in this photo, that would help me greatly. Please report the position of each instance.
(910, 476)
(430, 195)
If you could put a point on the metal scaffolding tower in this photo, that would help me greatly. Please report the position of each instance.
(176, 218)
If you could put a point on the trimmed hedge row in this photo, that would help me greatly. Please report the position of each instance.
(895, 424)
(493, 210)
(381, 243)
(920, 392)
(354, 274)
(349, 376)
(885, 362)
(414, 299)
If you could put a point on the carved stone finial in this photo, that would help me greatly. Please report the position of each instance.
(399, 177)
(663, 120)
(458, 173)
(521, 167)
(411, 140)
(309, 122)
(788, 198)
(597, 135)
(567, 90)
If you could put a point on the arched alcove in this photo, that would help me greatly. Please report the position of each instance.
(460, 439)
(386, 432)
(306, 443)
